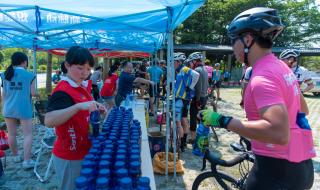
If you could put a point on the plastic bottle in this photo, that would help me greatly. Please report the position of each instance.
(89, 174)
(104, 173)
(81, 183)
(143, 183)
(125, 183)
(102, 183)
(95, 123)
(135, 171)
(201, 141)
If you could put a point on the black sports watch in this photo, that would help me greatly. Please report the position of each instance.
(224, 121)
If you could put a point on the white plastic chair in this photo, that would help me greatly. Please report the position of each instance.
(46, 142)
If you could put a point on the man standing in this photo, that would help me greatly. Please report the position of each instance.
(216, 78)
(186, 79)
(199, 101)
(290, 57)
(155, 73)
(125, 82)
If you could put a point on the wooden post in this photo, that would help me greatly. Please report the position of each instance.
(106, 67)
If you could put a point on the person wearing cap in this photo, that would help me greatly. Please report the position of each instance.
(186, 79)
(281, 137)
(217, 78)
(290, 57)
(199, 101)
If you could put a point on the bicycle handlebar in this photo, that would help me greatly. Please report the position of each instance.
(213, 159)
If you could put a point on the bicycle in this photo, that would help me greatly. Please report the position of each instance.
(224, 180)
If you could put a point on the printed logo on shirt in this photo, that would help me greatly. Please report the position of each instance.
(290, 79)
(73, 137)
(15, 85)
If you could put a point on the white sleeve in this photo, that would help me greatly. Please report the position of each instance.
(195, 77)
(306, 75)
(248, 73)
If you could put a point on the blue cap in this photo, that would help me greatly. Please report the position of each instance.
(86, 164)
(135, 165)
(119, 165)
(122, 172)
(102, 182)
(104, 164)
(144, 181)
(125, 182)
(87, 172)
(89, 157)
(104, 172)
(121, 157)
(135, 157)
(107, 157)
(81, 181)
(122, 151)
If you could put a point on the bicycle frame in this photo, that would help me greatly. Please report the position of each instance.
(220, 176)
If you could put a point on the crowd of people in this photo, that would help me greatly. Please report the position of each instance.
(272, 101)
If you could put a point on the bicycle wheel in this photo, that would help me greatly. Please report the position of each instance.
(207, 181)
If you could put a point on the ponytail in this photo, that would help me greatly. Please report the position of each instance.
(16, 59)
(8, 74)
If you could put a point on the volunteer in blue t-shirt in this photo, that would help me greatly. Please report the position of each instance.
(18, 86)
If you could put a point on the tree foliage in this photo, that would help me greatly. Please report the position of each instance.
(208, 24)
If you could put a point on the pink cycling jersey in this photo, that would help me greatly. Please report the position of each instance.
(209, 70)
(271, 83)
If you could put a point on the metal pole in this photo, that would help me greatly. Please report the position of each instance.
(173, 105)
(35, 63)
(167, 107)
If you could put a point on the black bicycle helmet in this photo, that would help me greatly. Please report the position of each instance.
(261, 21)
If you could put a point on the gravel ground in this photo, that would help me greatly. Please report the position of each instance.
(16, 178)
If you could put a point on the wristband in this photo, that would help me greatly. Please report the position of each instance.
(224, 121)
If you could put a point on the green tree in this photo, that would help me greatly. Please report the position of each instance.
(209, 23)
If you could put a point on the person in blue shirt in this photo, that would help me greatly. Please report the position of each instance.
(217, 78)
(156, 74)
(18, 86)
(125, 82)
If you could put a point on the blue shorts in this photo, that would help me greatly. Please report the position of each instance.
(179, 106)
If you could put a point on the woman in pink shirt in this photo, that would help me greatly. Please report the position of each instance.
(280, 135)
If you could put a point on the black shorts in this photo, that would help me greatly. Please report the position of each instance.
(154, 89)
(185, 108)
(217, 84)
(278, 174)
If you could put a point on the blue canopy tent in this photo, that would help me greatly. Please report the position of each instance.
(141, 25)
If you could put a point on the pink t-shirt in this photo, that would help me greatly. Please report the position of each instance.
(272, 82)
(210, 70)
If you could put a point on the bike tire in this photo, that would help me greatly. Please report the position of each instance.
(224, 181)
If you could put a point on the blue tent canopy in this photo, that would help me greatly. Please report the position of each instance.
(132, 25)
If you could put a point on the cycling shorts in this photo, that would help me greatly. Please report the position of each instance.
(270, 173)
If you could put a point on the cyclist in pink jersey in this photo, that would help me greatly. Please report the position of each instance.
(280, 134)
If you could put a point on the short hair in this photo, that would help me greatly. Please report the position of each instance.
(77, 55)
(263, 42)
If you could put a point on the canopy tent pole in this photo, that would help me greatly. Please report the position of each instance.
(170, 80)
(35, 62)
